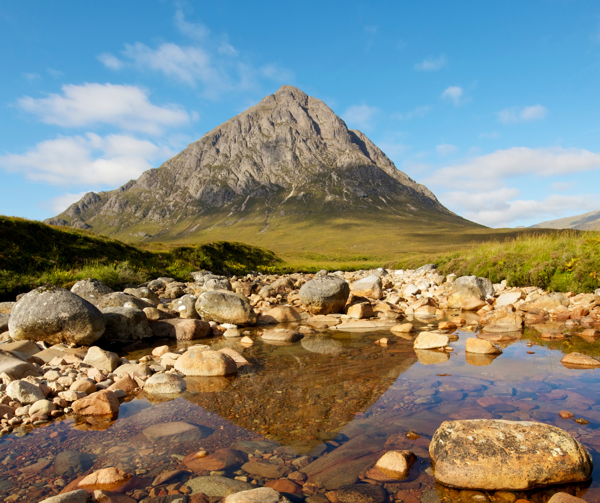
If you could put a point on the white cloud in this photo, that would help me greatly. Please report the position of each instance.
(499, 208)
(57, 74)
(32, 76)
(90, 159)
(562, 186)
(446, 149)
(453, 94)
(123, 106)
(211, 62)
(431, 64)
(484, 172)
(277, 74)
(526, 114)
(360, 116)
(492, 135)
(417, 113)
(61, 203)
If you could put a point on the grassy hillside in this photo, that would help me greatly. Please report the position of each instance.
(555, 260)
(585, 222)
(34, 253)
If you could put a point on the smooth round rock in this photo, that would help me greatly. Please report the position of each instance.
(482, 347)
(431, 340)
(205, 362)
(102, 359)
(259, 495)
(91, 289)
(125, 324)
(324, 295)
(165, 384)
(55, 315)
(225, 307)
(24, 392)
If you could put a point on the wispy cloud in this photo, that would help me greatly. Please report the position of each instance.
(90, 159)
(417, 113)
(491, 135)
(126, 107)
(361, 116)
(525, 114)
(446, 149)
(432, 64)
(32, 76)
(453, 94)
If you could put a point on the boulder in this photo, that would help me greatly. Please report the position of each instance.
(120, 299)
(91, 289)
(24, 392)
(78, 496)
(266, 469)
(205, 362)
(133, 369)
(546, 302)
(143, 293)
(404, 328)
(463, 293)
(360, 310)
(101, 403)
(225, 307)
(125, 324)
(481, 346)
(509, 298)
(101, 359)
(6, 307)
(370, 287)
(322, 345)
(282, 335)
(54, 315)
(577, 360)
(85, 385)
(501, 321)
(283, 285)
(396, 464)
(186, 307)
(44, 407)
(174, 290)
(217, 486)
(565, 498)
(324, 295)
(431, 340)
(165, 384)
(504, 455)
(485, 285)
(105, 477)
(259, 495)
(472, 304)
(279, 314)
(175, 431)
(181, 330)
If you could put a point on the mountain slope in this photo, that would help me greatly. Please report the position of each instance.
(584, 222)
(284, 167)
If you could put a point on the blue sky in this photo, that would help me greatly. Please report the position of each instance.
(493, 105)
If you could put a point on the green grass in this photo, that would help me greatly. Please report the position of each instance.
(557, 260)
(34, 254)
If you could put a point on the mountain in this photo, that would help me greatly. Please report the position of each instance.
(585, 222)
(286, 173)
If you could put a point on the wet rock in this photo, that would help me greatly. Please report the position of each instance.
(55, 315)
(221, 459)
(279, 314)
(285, 486)
(125, 324)
(205, 362)
(72, 462)
(107, 477)
(216, 486)
(91, 289)
(506, 455)
(260, 495)
(370, 287)
(15, 367)
(322, 345)
(120, 299)
(79, 496)
(176, 431)
(182, 330)
(101, 403)
(396, 464)
(501, 321)
(362, 493)
(266, 470)
(481, 346)
(479, 360)
(239, 360)
(282, 335)
(165, 384)
(577, 360)
(323, 321)
(225, 307)
(431, 340)
(101, 359)
(24, 392)
(404, 328)
(324, 295)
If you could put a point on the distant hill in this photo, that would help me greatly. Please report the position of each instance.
(585, 222)
(286, 174)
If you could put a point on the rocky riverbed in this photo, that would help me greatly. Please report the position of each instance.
(329, 387)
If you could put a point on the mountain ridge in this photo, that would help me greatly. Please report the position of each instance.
(584, 222)
(288, 159)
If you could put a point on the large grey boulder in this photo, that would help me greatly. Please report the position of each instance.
(504, 455)
(144, 293)
(324, 295)
(125, 324)
(120, 299)
(225, 307)
(91, 289)
(54, 315)
(484, 284)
